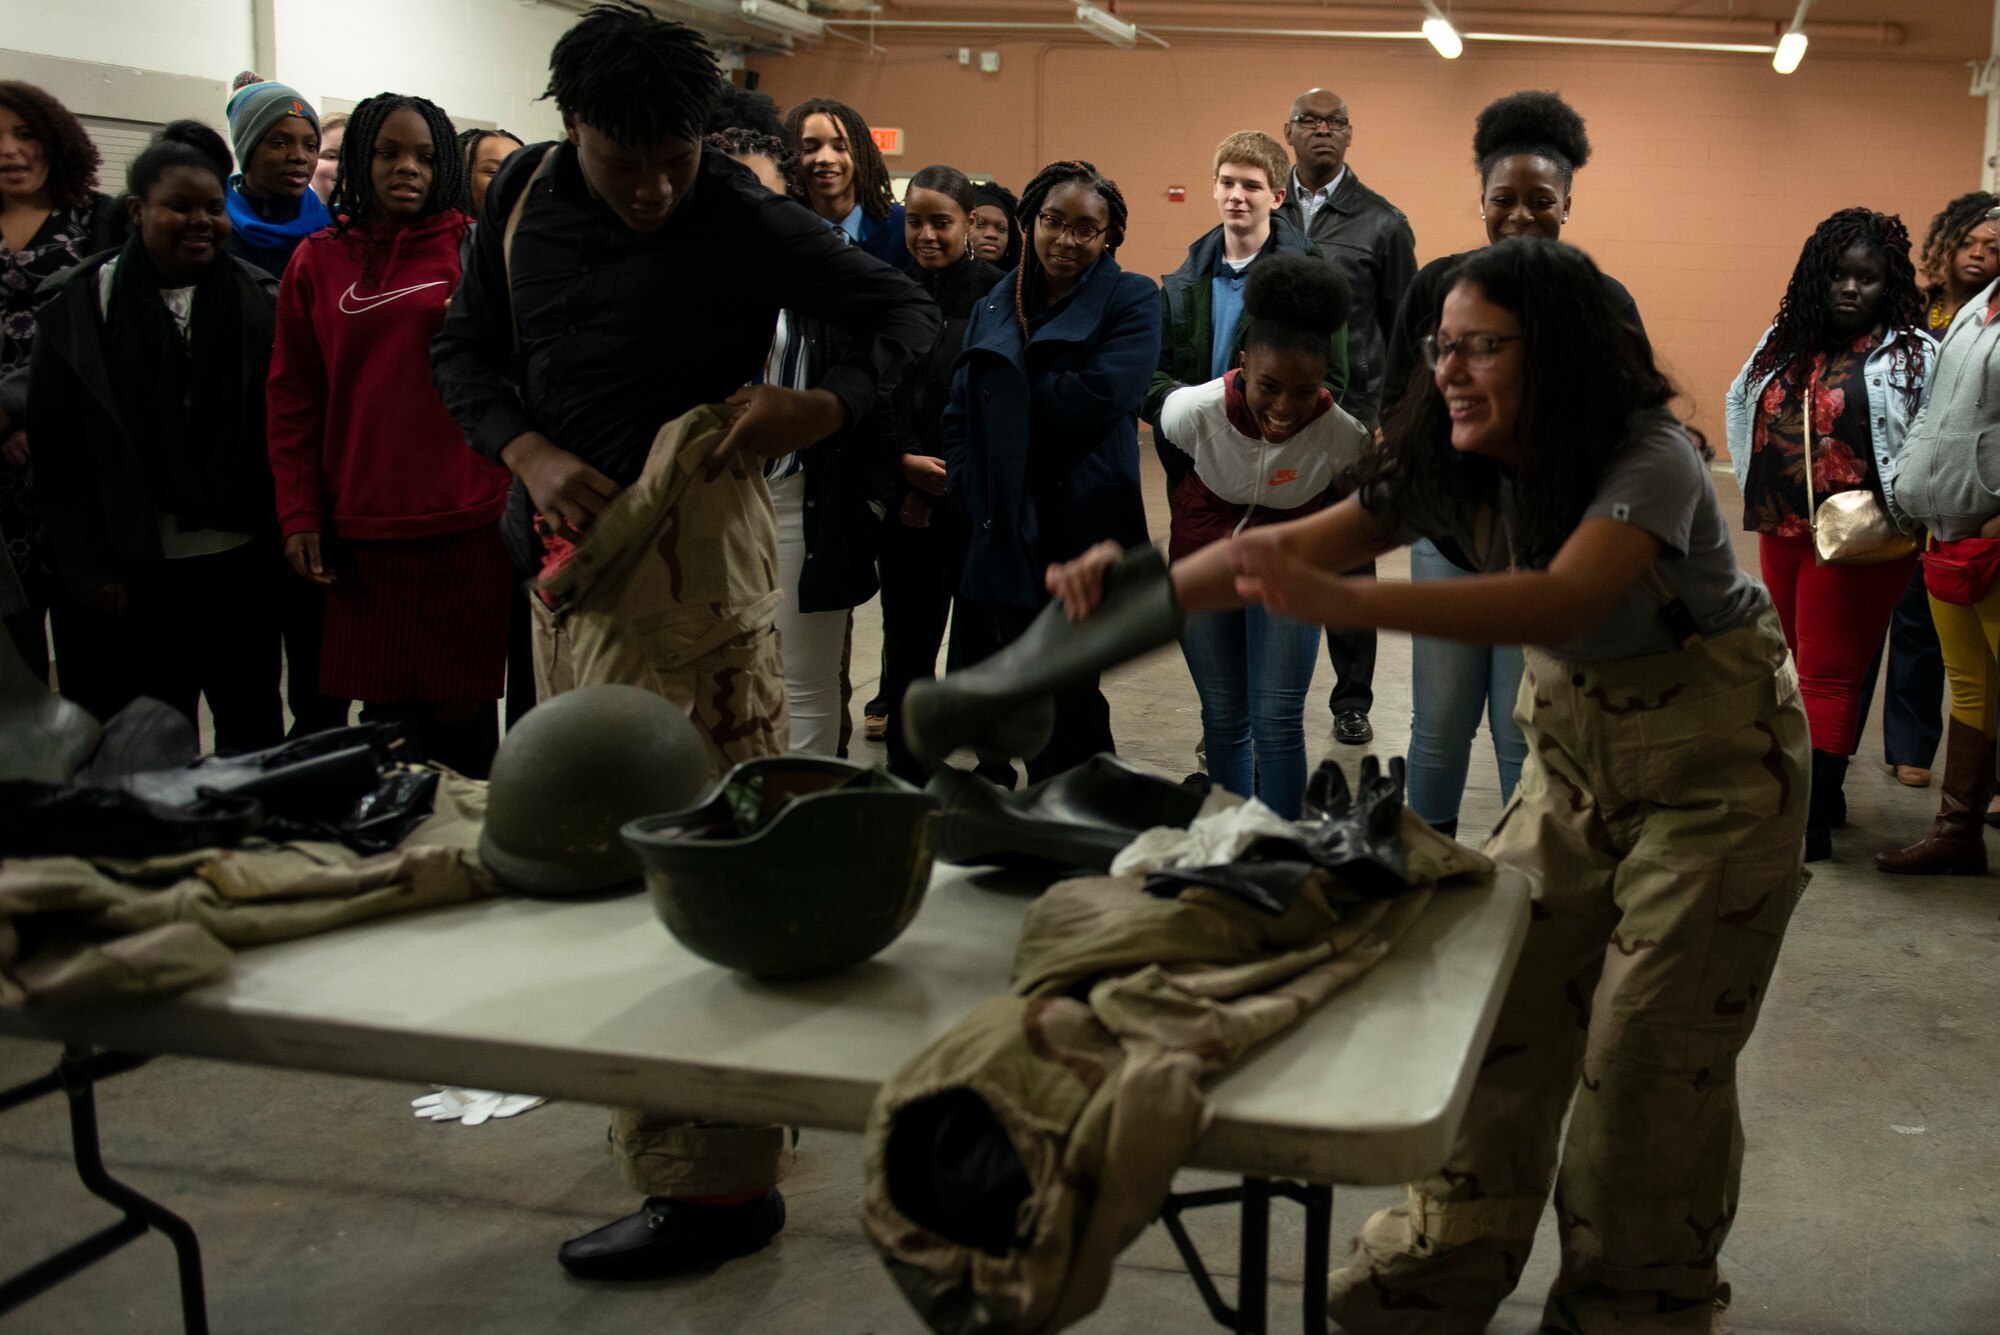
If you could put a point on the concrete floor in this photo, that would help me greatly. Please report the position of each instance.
(1870, 1096)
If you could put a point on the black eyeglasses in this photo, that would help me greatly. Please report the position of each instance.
(1474, 349)
(1084, 232)
(1320, 122)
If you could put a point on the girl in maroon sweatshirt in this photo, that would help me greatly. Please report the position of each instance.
(379, 497)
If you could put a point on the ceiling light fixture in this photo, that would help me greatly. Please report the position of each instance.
(1109, 27)
(1792, 46)
(780, 17)
(1440, 34)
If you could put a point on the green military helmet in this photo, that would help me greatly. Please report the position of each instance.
(790, 867)
(574, 770)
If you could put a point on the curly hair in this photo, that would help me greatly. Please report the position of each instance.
(1947, 233)
(1585, 372)
(738, 141)
(871, 175)
(1803, 326)
(353, 200)
(1028, 277)
(634, 76)
(72, 158)
(1294, 302)
(745, 109)
(1536, 123)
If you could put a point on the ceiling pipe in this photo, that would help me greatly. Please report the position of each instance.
(1328, 17)
(1323, 34)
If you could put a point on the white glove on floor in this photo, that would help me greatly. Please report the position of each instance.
(470, 1107)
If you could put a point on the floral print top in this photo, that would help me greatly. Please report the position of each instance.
(59, 244)
(1843, 457)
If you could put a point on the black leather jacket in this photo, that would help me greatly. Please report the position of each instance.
(1369, 241)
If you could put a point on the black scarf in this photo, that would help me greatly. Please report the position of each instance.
(182, 398)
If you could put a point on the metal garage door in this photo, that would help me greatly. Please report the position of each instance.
(119, 142)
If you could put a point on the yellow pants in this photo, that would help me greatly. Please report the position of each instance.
(1970, 639)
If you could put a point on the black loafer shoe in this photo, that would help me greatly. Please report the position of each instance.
(1351, 728)
(666, 1235)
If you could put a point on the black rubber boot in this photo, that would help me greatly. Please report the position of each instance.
(1005, 704)
(1826, 807)
(665, 1236)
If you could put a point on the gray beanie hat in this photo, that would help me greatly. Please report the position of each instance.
(255, 108)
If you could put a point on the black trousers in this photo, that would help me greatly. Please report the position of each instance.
(920, 574)
(194, 628)
(302, 621)
(1352, 653)
(1083, 715)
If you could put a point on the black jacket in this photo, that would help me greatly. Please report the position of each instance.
(925, 393)
(88, 473)
(1368, 240)
(851, 480)
(620, 333)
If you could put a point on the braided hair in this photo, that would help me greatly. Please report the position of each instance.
(871, 175)
(470, 140)
(1804, 327)
(1033, 196)
(354, 201)
(1947, 233)
(1535, 123)
(634, 76)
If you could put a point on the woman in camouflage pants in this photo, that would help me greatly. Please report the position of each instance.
(1661, 812)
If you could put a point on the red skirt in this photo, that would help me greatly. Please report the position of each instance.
(420, 619)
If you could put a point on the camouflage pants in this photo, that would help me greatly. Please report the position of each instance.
(673, 590)
(1662, 812)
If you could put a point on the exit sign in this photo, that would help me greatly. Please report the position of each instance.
(888, 140)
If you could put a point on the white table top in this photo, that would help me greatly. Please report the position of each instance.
(596, 1001)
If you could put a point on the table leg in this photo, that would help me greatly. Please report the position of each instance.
(1254, 1258)
(1319, 1244)
(76, 1075)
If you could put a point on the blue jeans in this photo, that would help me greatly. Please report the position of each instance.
(1451, 685)
(1252, 669)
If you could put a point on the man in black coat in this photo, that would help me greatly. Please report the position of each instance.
(1368, 240)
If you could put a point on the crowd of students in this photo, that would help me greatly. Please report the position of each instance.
(288, 399)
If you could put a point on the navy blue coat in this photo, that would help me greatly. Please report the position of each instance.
(1042, 442)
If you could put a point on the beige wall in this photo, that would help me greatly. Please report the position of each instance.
(1710, 169)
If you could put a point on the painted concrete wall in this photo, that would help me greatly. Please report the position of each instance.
(482, 59)
(1709, 172)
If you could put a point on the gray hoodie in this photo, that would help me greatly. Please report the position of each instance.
(1947, 478)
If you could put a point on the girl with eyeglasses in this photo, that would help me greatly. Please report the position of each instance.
(1840, 374)
(1660, 813)
(1041, 437)
(1528, 147)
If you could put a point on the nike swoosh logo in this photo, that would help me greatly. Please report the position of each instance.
(352, 303)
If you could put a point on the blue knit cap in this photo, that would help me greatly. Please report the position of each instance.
(256, 107)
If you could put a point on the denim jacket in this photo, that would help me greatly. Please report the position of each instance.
(1890, 411)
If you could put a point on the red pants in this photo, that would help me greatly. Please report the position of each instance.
(1834, 619)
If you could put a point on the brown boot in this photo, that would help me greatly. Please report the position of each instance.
(1956, 842)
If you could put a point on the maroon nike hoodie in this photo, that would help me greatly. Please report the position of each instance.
(361, 446)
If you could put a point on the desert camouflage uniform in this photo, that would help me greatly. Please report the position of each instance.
(673, 589)
(1662, 812)
(1121, 1004)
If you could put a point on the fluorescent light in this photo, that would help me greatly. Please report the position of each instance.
(1106, 26)
(784, 18)
(1792, 46)
(1440, 34)
(1444, 37)
(1791, 50)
